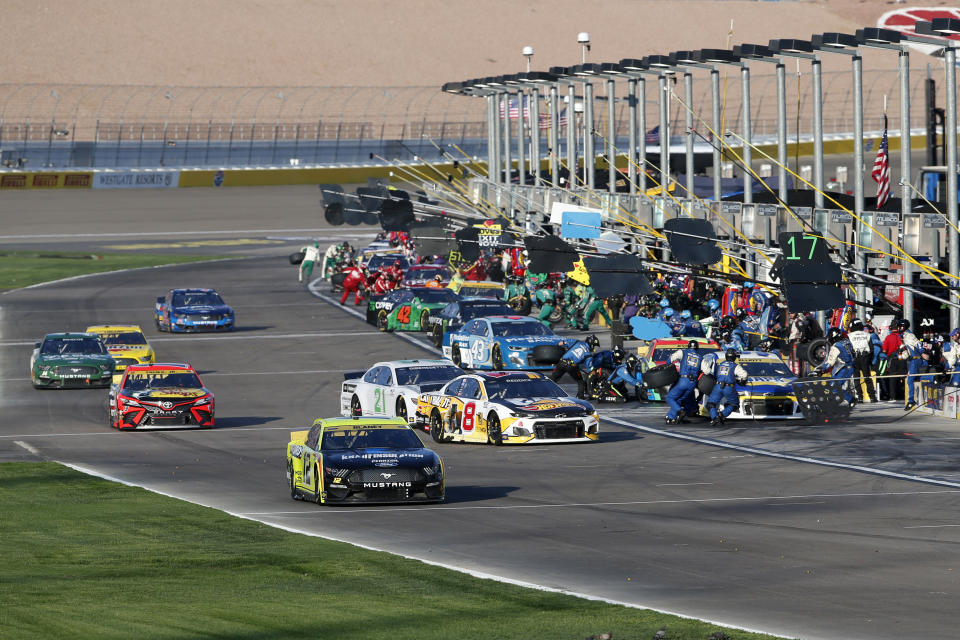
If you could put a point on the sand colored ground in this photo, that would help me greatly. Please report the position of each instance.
(377, 43)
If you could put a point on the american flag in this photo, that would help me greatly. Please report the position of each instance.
(515, 109)
(653, 136)
(881, 169)
(561, 119)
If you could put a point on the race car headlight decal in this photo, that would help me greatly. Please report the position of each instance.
(129, 402)
(433, 471)
(521, 431)
(203, 400)
(44, 369)
(106, 367)
(179, 317)
(337, 473)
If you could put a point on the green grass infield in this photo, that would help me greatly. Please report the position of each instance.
(24, 268)
(86, 558)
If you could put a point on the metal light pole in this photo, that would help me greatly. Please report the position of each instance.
(632, 134)
(639, 69)
(846, 44)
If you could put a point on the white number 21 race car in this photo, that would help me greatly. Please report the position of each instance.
(392, 388)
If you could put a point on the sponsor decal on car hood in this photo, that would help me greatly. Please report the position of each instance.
(377, 457)
(524, 341)
(199, 309)
(73, 359)
(167, 393)
(548, 407)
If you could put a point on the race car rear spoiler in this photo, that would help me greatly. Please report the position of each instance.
(353, 375)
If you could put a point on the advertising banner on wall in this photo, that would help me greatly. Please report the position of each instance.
(47, 180)
(136, 180)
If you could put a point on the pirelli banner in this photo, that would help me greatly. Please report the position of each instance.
(46, 180)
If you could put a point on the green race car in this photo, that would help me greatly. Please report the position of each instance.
(71, 360)
(410, 309)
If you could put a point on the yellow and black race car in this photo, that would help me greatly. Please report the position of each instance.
(348, 460)
(503, 407)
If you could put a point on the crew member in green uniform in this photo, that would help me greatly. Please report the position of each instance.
(546, 299)
(592, 305)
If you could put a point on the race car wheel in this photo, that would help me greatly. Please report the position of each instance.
(382, 323)
(547, 354)
(520, 304)
(437, 336)
(496, 358)
(556, 315)
(663, 375)
(817, 351)
(355, 408)
(401, 409)
(425, 320)
(494, 435)
(436, 427)
(455, 356)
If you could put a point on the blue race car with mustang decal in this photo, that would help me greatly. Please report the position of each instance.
(504, 342)
(193, 310)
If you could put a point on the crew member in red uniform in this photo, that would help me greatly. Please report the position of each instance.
(355, 277)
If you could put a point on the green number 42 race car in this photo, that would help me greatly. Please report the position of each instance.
(410, 309)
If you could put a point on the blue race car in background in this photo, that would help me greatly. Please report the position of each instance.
(456, 314)
(193, 310)
(504, 342)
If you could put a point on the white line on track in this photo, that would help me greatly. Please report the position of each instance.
(146, 234)
(731, 499)
(28, 447)
(194, 337)
(313, 287)
(782, 456)
(932, 526)
(273, 373)
(682, 484)
(114, 432)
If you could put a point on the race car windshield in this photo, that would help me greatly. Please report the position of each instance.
(370, 438)
(767, 369)
(469, 312)
(511, 329)
(143, 380)
(523, 388)
(198, 299)
(426, 375)
(129, 338)
(481, 292)
(427, 274)
(377, 263)
(437, 295)
(72, 346)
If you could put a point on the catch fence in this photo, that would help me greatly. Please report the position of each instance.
(123, 126)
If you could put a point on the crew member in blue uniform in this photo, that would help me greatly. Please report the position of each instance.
(576, 358)
(728, 372)
(840, 361)
(691, 328)
(681, 396)
(729, 341)
(626, 374)
(912, 352)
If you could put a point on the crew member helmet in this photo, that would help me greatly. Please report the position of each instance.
(732, 354)
(903, 325)
(668, 313)
(664, 303)
(856, 325)
(618, 354)
(592, 341)
(834, 335)
(713, 304)
(693, 344)
(726, 335)
(685, 314)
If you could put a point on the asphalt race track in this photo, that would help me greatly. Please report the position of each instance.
(841, 532)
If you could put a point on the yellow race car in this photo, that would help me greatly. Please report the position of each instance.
(349, 460)
(126, 343)
(506, 407)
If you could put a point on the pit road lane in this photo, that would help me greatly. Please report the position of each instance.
(758, 542)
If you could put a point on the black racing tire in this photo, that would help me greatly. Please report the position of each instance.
(706, 383)
(436, 336)
(355, 408)
(336, 281)
(556, 315)
(660, 376)
(156, 323)
(496, 358)
(296, 257)
(817, 351)
(382, 320)
(401, 409)
(425, 320)
(455, 356)
(521, 304)
(547, 353)
(436, 427)
(294, 492)
(494, 435)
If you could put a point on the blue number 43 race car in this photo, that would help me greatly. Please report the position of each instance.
(504, 342)
(193, 310)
